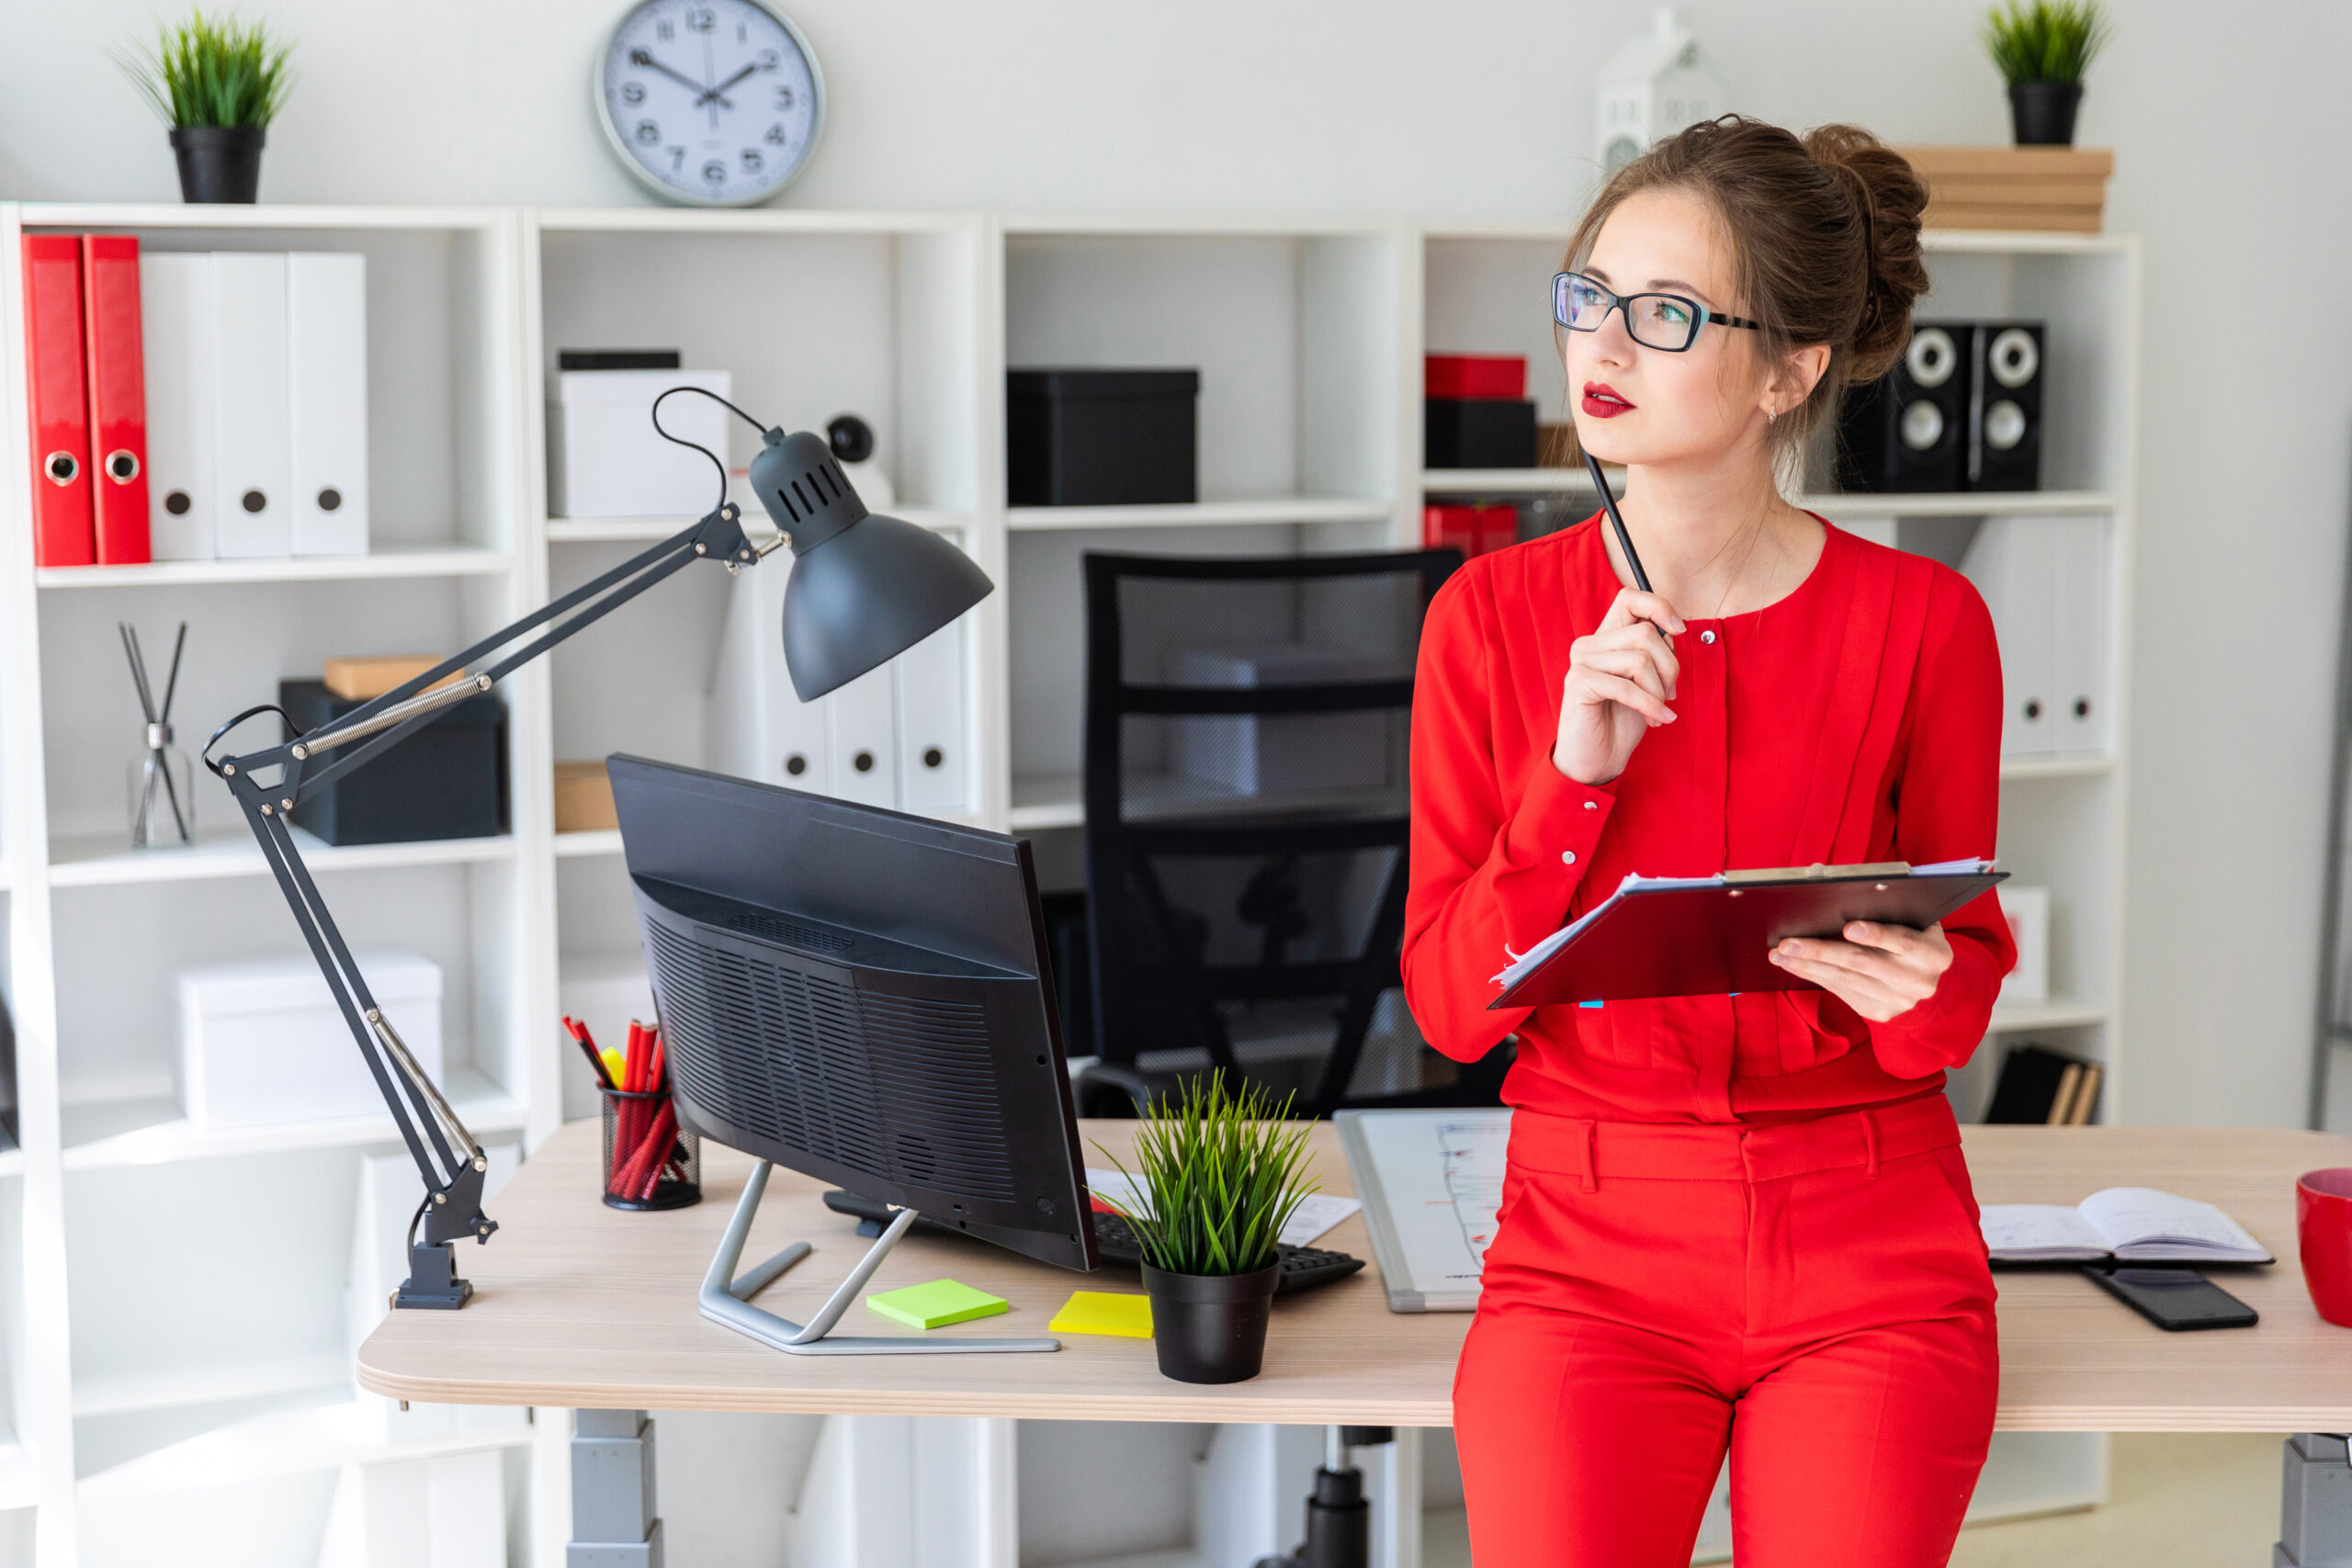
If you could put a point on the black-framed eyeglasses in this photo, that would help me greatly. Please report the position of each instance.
(1667, 321)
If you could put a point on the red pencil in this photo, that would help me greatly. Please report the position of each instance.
(579, 1032)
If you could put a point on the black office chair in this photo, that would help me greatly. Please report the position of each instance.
(1247, 723)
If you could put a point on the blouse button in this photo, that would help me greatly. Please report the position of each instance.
(1707, 638)
(1568, 857)
(1592, 806)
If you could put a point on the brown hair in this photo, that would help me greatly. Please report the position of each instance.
(1824, 240)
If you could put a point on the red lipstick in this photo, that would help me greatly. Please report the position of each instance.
(1603, 401)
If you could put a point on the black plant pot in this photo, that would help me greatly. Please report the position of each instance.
(219, 163)
(2042, 113)
(1211, 1327)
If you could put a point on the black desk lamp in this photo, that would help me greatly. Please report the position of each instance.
(864, 589)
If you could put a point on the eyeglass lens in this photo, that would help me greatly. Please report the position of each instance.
(1655, 321)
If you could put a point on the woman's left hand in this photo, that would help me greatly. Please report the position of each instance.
(1882, 972)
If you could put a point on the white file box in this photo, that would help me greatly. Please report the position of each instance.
(1254, 754)
(606, 459)
(263, 1043)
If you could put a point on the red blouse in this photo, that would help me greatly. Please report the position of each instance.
(1857, 719)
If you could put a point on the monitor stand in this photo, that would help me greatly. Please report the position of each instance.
(727, 1300)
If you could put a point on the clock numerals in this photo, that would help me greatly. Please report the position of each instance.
(657, 83)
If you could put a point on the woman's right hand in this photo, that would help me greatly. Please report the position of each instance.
(1619, 682)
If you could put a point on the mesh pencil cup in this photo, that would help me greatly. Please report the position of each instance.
(650, 1162)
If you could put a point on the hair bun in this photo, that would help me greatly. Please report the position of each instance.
(1889, 198)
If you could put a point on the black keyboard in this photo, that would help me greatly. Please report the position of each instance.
(1303, 1268)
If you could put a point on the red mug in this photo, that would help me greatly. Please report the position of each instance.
(2323, 1224)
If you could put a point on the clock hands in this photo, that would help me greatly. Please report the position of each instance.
(714, 92)
(643, 59)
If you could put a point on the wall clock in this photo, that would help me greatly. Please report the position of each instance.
(712, 102)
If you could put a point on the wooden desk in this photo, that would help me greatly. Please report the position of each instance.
(567, 1282)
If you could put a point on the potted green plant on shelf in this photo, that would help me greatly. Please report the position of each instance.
(2042, 49)
(218, 82)
(1218, 1179)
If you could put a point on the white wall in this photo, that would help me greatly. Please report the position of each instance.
(2231, 163)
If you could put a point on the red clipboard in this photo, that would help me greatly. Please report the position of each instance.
(1710, 936)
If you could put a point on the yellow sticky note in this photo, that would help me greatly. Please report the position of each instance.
(1100, 1311)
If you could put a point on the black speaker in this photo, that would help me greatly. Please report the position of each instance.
(2005, 406)
(1908, 430)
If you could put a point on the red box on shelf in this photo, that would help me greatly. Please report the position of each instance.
(1473, 530)
(1474, 376)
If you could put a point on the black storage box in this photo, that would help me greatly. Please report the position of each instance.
(1102, 437)
(1478, 433)
(447, 781)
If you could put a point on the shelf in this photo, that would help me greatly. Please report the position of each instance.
(1227, 514)
(597, 842)
(150, 1130)
(652, 530)
(99, 860)
(128, 1393)
(432, 560)
(2078, 767)
(1058, 800)
(1505, 481)
(2059, 1013)
(286, 1442)
(177, 215)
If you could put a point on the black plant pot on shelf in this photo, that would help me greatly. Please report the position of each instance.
(219, 163)
(1211, 1327)
(2042, 113)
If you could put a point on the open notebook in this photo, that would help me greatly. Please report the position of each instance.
(2133, 1225)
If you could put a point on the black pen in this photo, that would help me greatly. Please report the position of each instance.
(1617, 520)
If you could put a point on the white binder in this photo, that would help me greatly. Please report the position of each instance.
(755, 725)
(934, 762)
(861, 733)
(326, 342)
(252, 467)
(2013, 562)
(2082, 678)
(175, 320)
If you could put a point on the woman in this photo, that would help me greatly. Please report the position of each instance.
(1728, 1221)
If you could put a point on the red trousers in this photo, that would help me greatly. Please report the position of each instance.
(1812, 1296)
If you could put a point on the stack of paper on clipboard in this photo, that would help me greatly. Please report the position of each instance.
(257, 368)
(1698, 936)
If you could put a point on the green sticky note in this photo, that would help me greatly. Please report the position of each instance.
(936, 1303)
(1104, 1312)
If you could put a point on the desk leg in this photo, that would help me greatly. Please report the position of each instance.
(2315, 1503)
(613, 1515)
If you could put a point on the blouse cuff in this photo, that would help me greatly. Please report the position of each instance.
(1546, 847)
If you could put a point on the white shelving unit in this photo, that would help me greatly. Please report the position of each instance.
(121, 1375)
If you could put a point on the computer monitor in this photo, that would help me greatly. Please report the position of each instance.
(864, 997)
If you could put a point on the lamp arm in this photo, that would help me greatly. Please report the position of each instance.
(448, 1157)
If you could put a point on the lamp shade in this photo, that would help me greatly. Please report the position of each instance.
(864, 587)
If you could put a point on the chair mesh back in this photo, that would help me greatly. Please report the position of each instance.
(1245, 800)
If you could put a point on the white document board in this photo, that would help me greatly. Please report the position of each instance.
(1431, 1182)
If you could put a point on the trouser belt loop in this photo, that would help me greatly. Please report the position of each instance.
(1592, 1166)
(1870, 1144)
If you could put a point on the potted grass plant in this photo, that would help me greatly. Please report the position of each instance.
(218, 82)
(1218, 1172)
(2043, 48)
